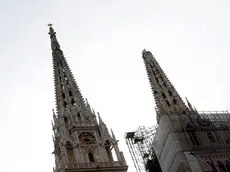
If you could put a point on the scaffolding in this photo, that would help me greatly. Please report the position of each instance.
(140, 145)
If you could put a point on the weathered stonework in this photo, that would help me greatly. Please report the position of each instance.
(186, 140)
(80, 142)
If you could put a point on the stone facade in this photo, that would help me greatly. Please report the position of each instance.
(81, 143)
(186, 140)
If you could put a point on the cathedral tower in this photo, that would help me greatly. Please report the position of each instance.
(80, 142)
(186, 140)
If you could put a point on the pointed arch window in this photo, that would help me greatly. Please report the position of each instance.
(163, 95)
(170, 93)
(70, 153)
(157, 79)
(161, 78)
(78, 116)
(167, 102)
(70, 93)
(63, 95)
(91, 157)
(73, 102)
(65, 104)
(174, 101)
(66, 121)
(65, 77)
(193, 138)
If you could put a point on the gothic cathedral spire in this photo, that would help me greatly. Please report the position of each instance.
(80, 143)
(66, 89)
(168, 101)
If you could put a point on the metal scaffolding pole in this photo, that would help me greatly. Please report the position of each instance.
(142, 152)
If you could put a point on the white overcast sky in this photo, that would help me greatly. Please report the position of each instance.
(103, 41)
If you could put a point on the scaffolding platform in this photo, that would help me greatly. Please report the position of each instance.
(140, 145)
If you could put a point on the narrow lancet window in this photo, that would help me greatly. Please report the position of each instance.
(72, 102)
(163, 95)
(170, 93)
(70, 93)
(157, 79)
(167, 102)
(174, 101)
(161, 78)
(71, 156)
(66, 122)
(78, 116)
(63, 95)
(91, 157)
(65, 77)
(65, 104)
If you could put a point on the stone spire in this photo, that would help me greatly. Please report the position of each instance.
(66, 89)
(166, 97)
(80, 143)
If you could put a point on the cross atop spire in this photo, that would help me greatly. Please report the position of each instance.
(51, 29)
(168, 101)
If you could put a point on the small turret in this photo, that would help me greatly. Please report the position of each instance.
(189, 105)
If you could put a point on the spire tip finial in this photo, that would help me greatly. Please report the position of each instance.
(51, 29)
(50, 24)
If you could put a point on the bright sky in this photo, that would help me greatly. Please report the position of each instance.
(102, 41)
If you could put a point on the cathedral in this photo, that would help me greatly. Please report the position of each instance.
(81, 142)
(185, 140)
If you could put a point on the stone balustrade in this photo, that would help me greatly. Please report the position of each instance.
(93, 165)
